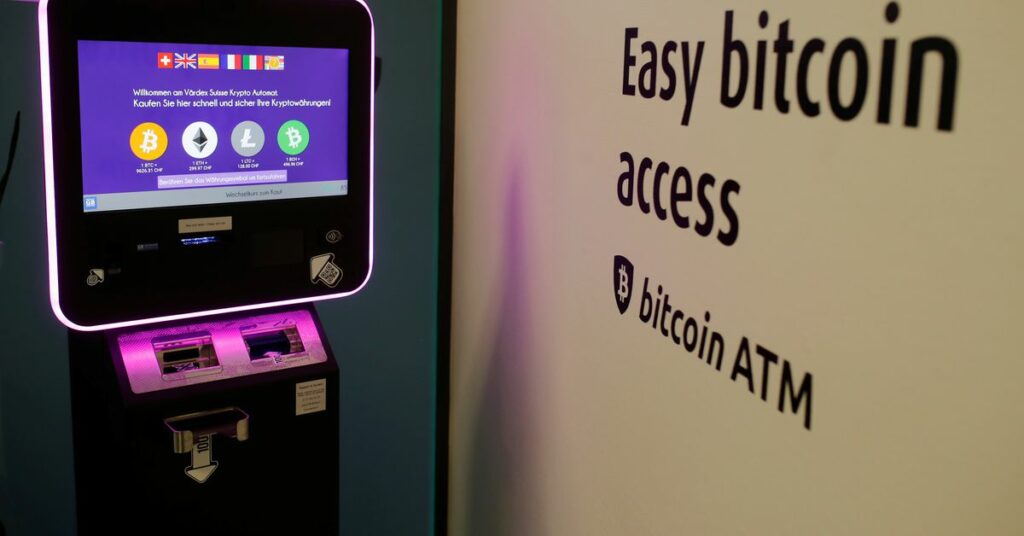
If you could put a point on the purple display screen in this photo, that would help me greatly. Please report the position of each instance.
(171, 124)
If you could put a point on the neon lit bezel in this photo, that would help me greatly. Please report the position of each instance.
(51, 217)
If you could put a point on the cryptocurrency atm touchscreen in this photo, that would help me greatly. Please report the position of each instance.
(173, 124)
(200, 167)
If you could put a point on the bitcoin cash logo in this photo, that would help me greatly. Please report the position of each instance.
(148, 141)
(293, 137)
(622, 282)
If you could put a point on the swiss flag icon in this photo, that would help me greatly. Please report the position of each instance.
(164, 60)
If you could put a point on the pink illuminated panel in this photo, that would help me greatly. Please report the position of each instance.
(203, 352)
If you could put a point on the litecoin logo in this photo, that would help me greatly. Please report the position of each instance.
(247, 138)
(622, 282)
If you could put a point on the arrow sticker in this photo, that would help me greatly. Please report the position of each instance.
(202, 459)
(323, 270)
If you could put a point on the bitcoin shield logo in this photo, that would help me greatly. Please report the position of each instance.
(293, 137)
(622, 282)
(148, 141)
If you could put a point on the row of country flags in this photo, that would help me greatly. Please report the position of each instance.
(232, 62)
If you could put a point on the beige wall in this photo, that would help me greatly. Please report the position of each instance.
(886, 261)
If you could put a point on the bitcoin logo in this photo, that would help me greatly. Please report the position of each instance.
(148, 144)
(622, 282)
(623, 292)
(148, 141)
(293, 137)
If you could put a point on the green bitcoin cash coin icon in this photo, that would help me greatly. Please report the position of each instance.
(293, 137)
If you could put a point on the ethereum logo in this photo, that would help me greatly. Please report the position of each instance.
(200, 140)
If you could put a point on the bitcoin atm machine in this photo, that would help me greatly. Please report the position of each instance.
(209, 175)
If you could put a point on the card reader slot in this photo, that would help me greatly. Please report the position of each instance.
(275, 342)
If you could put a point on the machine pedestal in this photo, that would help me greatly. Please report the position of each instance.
(224, 426)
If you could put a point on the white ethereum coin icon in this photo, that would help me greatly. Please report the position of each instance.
(199, 139)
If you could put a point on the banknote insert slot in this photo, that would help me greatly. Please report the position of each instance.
(185, 355)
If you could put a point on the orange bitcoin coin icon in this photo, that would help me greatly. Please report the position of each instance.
(148, 141)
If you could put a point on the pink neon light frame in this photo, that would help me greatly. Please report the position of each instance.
(51, 218)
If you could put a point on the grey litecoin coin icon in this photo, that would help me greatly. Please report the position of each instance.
(247, 138)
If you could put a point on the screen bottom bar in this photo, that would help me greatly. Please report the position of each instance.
(210, 196)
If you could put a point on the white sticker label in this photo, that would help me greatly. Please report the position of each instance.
(310, 397)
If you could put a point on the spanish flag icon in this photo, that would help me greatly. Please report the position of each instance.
(209, 61)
